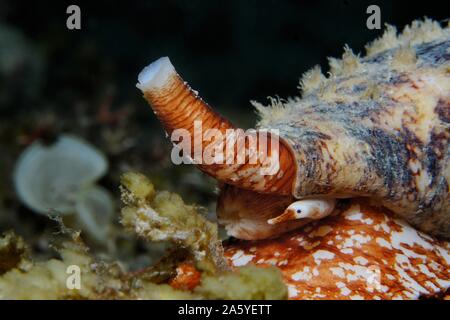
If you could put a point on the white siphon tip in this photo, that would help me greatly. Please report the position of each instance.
(155, 75)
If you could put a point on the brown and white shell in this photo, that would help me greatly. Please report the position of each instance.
(377, 127)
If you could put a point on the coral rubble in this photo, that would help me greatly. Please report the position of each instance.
(154, 216)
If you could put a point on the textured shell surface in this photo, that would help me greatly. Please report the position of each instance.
(377, 126)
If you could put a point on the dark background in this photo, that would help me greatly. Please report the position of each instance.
(230, 51)
(54, 80)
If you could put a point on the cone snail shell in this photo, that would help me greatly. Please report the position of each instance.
(378, 127)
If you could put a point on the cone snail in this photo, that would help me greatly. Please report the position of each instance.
(377, 128)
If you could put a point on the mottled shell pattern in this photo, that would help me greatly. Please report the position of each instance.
(377, 126)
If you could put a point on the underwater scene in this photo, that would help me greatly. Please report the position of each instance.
(238, 150)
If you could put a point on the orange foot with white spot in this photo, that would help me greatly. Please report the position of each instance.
(363, 253)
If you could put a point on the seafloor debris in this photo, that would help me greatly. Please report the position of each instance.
(48, 280)
(22, 278)
(251, 281)
(152, 215)
(12, 251)
(162, 216)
